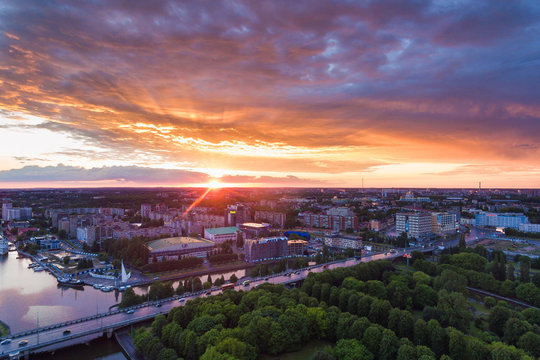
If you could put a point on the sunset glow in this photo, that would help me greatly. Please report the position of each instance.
(420, 94)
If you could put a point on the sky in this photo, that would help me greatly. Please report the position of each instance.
(270, 93)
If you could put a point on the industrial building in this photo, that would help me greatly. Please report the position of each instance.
(178, 247)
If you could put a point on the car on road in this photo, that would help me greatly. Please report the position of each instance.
(181, 300)
(130, 311)
(5, 341)
(66, 332)
(158, 305)
(156, 277)
(23, 342)
(209, 293)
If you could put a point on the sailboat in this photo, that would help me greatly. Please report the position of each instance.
(125, 275)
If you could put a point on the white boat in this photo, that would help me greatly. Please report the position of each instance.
(39, 268)
(107, 288)
(97, 286)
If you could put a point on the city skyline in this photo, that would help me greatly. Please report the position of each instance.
(374, 94)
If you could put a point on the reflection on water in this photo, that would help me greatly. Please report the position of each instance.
(24, 294)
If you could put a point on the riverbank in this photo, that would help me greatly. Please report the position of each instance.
(178, 275)
(4, 329)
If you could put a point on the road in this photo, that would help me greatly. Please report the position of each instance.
(54, 334)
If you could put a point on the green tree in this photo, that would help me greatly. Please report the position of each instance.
(423, 296)
(514, 329)
(372, 338)
(167, 354)
(157, 325)
(451, 281)
(389, 345)
(378, 312)
(437, 337)
(421, 336)
(462, 244)
(470, 261)
(457, 345)
(510, 273)
(524, 269)
(454, 309)
(233, 279)
(351, 349)
(530, 342)
(420, 277)
(497, 319)
(406, 352)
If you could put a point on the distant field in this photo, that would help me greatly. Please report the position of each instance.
(507, 245)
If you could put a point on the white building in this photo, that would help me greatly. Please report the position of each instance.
(415, 225)
(221, 234)
(87, 234)
(146, 209)
(504, 220)
(529, 227)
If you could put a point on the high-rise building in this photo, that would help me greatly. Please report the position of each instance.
(146, 209)
(236, 215)
(444, 223)
(63, 224)
(272, 217)
(415, 225)
(334, 222)
(265, 248)
(87, 234)
(5, 207)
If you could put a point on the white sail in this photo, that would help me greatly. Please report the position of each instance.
(125, 275)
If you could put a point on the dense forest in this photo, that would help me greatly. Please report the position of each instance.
(369, 311)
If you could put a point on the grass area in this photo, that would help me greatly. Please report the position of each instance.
(479, 307)
(4, 329)
(306, 353)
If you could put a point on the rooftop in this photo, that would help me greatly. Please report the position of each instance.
(223, 230)
(256, 225)
(177, 243)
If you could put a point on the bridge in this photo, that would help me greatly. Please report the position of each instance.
(57, 336)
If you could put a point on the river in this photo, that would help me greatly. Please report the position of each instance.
(28, 298)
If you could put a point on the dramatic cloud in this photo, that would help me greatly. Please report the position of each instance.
(328, 91)
(115, 173)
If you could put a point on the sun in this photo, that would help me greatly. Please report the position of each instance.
(214, 184)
